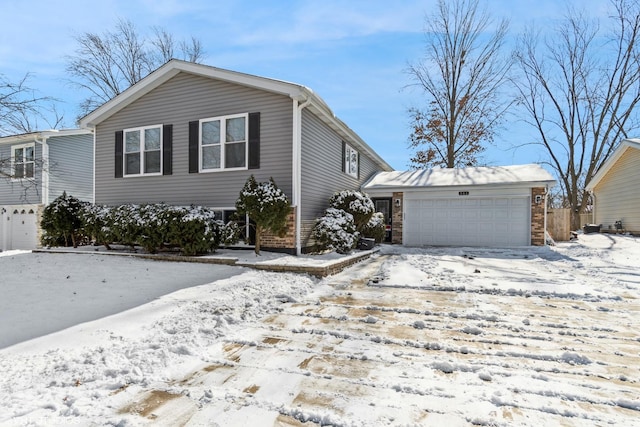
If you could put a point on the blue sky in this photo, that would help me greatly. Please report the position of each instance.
(352, 53)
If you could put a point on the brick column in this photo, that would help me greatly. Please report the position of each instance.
(537, 216)
(396, 218)
(287, 243)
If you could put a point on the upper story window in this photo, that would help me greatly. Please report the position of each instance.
(223, 143)
(143, 150)
(23, 161)
(350, 161)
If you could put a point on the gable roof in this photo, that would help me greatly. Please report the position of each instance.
(604, 169)
(172, 68)
(531, 174)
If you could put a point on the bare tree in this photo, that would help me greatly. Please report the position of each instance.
(106, 65)
(580, 88)
(462, 76)
(20, 107)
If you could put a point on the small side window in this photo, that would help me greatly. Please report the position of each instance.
(351, 160)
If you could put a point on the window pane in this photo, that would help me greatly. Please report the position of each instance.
(211, 157)
(19, 170)
(354, 163)
(132, 164)
(234, 155)
(132, 141)
(211, 132)
(29, 154)
(19, 155)
(235, 129)
(152, 162)
(28, 170)
(152, 139)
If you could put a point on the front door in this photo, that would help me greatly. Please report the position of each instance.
(384, 206)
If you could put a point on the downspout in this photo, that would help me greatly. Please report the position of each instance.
(93, 175)
(45, 169)
(297, 168)
(546, 192)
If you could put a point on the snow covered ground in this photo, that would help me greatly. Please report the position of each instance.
(438, 336)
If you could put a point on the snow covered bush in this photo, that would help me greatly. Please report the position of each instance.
(156, 226)
(61, 221)
(125, 224)
(95, 223)
(266, 205)
(335, 230)
(358, 204)
(375, 228)
(194, 229)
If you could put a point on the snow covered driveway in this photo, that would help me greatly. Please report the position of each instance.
(536, 336)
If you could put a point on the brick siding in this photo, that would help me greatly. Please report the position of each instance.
(537, 217)
(396, 218)
(288, 241)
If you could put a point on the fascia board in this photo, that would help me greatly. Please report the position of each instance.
(405, 188)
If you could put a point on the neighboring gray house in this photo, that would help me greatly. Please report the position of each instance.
(35, 168)
(193, 134)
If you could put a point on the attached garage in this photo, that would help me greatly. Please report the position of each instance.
(18, 227)
(488, 206)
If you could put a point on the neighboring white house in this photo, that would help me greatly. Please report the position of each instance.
(483, 206)
(35, 168)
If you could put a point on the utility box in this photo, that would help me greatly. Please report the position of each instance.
(366, 243)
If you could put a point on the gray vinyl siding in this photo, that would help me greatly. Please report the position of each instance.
(71, 166)
(186, 98)
(322, 173)
(617, 194)
(16, 192)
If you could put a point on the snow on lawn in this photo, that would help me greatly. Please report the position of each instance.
(434, 336)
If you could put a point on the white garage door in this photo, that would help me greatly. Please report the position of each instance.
(19, 228)
(490, 221)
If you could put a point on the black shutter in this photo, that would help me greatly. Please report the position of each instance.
(119, 154)
(344, 159)
(358, 155)
(194, 129)
(254, 140)
(167, 149)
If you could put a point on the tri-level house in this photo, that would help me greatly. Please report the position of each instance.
(35, 168)
(192, 134)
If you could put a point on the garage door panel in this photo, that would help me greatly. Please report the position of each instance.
(19, 228)
(491, 221)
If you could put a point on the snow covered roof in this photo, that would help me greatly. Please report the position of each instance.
(496, 175)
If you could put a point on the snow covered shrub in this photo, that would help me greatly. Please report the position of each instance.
(266, 205)
(96, 223)
(375, 228)
(335, 230)
(61, 221)
(358, 204)
(125, 224)
(152, 225)
(194, 229)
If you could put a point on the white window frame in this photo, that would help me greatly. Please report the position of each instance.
(14, 148)
(348, 151)
(141, 151)
(223, 143)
